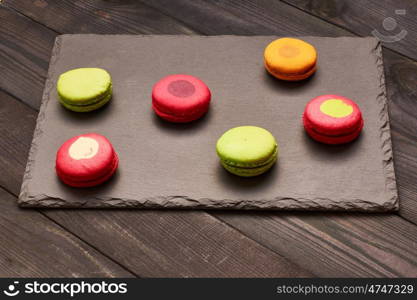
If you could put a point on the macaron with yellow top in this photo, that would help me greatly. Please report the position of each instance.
(290, 59)
(332, 119)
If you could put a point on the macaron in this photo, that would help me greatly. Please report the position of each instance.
(86, 160)
(247, 150)
(332, 119)
(290, 59)
(84, 89)
(180, 98)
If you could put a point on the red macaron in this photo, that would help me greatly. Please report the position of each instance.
(180, 98)
(86, 160)
(332, 119)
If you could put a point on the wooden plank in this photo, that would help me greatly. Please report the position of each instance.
(156, 244)
(401, 78)
(367, 265)
(24, 55)
(278, 18)
(364, 17)
(33, 246)
(334, 245)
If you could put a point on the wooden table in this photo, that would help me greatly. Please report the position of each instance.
(122, 243)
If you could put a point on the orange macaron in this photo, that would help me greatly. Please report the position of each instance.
(290, 59)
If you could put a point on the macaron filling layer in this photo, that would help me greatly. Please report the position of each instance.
(291, 76)
(251, 164)
(188, 117)
(249, 172)
(334, 140)
(358, 127)
(249, 169)
(247, 150)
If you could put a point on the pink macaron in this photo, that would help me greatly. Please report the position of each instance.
(180, 98)
(332, 119)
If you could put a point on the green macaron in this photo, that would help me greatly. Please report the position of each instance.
(84, 89)
(247, 150)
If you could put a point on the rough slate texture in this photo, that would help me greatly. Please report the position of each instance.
(166, 165)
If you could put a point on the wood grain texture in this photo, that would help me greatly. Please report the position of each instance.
(17, 122)
(175, 244)
(226, 17)
(368, 17)
(348, 245)
(278, 18)
(33, 246)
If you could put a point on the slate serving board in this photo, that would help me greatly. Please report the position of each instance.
(165, 165)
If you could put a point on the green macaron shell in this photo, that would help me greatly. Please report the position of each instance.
(247, 150)
(84, 86)
(249, 172)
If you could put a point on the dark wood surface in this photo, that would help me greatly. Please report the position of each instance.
(103, 243)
